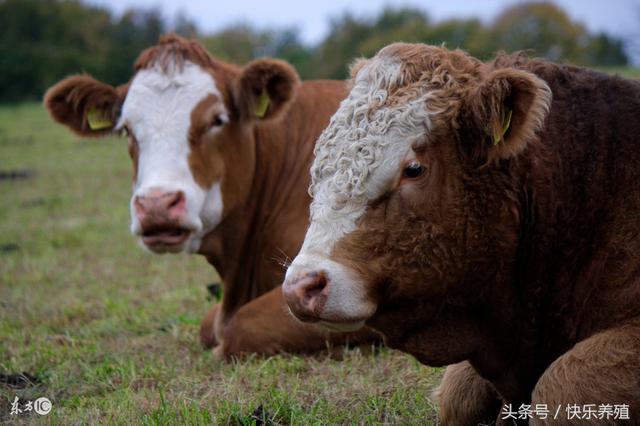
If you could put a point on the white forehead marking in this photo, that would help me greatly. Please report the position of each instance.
(162, 100)
(359, 154)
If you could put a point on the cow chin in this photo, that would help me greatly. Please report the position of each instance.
(178, 243)
(342, 327)
(164, 248)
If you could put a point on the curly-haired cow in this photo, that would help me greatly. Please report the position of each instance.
(486, 214)
(221, 159)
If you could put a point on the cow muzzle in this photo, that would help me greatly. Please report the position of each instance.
(161, 216)
(332, 297)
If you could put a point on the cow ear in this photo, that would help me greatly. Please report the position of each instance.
(508, 108)
(265, 88)
(87, 106)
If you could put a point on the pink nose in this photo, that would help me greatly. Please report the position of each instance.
(158, 206)
(306, 294)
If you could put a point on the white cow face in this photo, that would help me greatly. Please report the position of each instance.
(170, 211)
(190, 120)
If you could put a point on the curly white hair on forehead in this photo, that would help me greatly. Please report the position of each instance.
(358, 154)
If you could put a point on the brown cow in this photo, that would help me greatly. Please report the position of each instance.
(487, 212)
(221, 156)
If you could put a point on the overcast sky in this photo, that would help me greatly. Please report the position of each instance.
(618, 17)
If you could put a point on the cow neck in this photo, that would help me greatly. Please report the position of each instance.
(249, 249)
(508, 354)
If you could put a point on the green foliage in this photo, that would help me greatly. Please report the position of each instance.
(351, 37)
(546, 30)
(543, 29)
(604, 50)
(42, 41)
(241, 43)
(133, 32)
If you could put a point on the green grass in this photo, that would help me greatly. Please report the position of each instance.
(112, 331)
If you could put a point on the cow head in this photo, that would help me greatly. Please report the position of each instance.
(410, 189)
(189, 119)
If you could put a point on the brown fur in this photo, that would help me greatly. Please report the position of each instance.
(521, 257)
(206, 159)
(465, 398)
(263, 164)
(453, 77)
(527, 96)
(602, 369)
(70, 100)
(134, 152)
(173, 50)
(276, 77)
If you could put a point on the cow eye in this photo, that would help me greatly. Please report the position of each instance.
(413, 170)
(219, 120)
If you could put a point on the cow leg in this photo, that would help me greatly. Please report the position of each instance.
(603, 369)
(209, 328)
(465, 398)
(265, 326)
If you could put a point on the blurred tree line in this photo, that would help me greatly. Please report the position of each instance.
(42, 41)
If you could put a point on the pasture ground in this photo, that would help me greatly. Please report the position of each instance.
(110, 332)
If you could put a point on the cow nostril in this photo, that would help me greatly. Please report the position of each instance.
(315, 289)
(176, 200)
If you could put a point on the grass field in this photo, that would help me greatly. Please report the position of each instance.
(110, 332)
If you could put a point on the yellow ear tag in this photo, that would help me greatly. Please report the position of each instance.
(97, 121)
(263, 104)
(505, 126)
